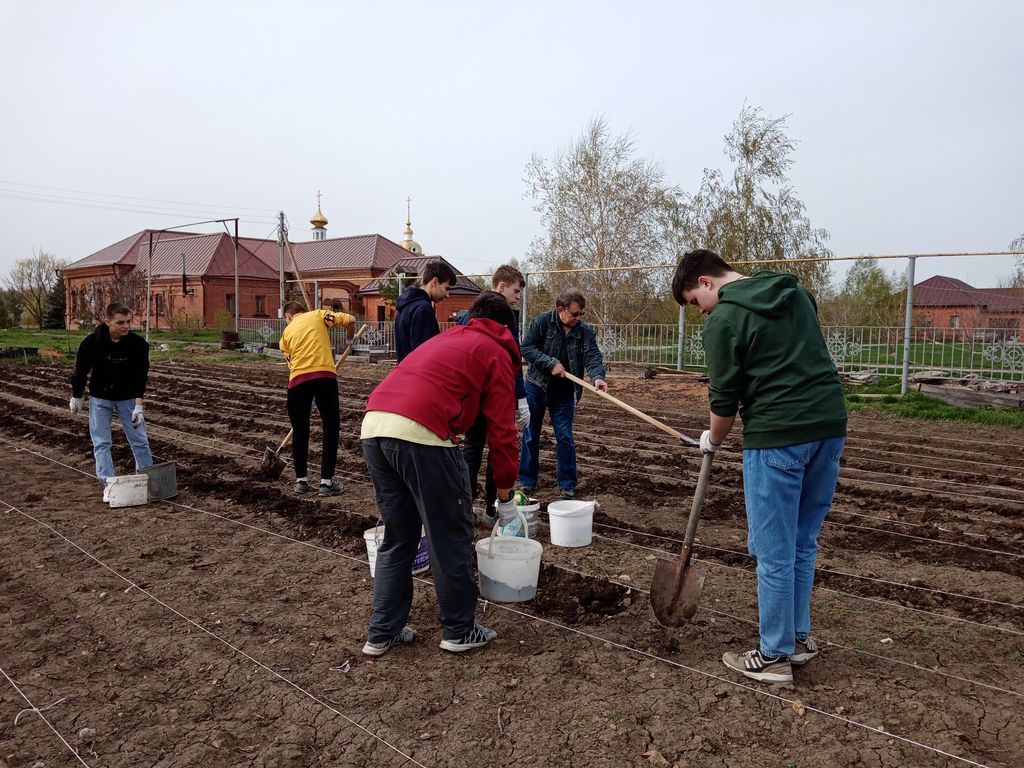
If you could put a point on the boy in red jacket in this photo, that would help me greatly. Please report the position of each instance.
(409, 437)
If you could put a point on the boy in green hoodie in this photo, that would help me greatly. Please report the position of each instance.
(767, 360)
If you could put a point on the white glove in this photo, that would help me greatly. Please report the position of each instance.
(137, 417)
(506, 510)
(522, 411)
(75, 405)
(706, 446)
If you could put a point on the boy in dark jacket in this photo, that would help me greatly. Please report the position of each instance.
(119, 362)
(508, 281)
(416, 322)
(768, 360)
(409, 437)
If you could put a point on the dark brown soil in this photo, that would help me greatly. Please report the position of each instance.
(224, 628)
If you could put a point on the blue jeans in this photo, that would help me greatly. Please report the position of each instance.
(101, 416)
(421, 485)
(788, 492)
(562, 407)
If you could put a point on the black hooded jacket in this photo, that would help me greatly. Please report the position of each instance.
(415, 322)
(119, 369)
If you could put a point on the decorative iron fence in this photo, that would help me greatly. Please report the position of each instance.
(954, 352)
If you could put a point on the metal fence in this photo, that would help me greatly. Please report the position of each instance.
(954, 352)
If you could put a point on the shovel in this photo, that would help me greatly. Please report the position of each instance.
(273, 465)
(677, 587)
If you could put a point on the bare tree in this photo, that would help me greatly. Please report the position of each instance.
(601, 206)
(756, 214)
(1016, 279)
(869, 296)
(31, 280)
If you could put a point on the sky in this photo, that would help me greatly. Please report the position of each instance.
(121, 116)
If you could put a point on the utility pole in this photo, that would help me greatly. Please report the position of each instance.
(280, 248)
(238, 298)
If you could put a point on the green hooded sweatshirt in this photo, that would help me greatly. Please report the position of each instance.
(767, 358)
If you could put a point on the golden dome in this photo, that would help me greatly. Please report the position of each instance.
(411, 245)
(408, 243)
(319, 221)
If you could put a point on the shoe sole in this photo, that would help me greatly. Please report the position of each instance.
(369, 650)
(447, 645)
(803, 658)
(762, 677)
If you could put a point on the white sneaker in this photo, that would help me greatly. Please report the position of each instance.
(106, 493)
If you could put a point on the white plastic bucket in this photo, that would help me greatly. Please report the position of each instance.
(373, 538)
(509, 567)
(128, 490)
(528, 511)
(572, 522)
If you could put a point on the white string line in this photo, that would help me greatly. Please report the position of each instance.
(821, 638)
(557, 625)
(360, 561)
(203, 629)
(750, 689)
(39, 712)
(886, 603)
(818, 570)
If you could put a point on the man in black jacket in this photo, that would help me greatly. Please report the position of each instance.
(119, 362)
(416, 322)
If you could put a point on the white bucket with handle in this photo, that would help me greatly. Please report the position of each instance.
(572, 522)
(509, 566)
(374, 536)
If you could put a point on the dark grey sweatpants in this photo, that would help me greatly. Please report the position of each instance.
(421, 485)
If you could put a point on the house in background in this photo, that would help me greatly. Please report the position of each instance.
(948, 303)
(193, 276)
(378, 296)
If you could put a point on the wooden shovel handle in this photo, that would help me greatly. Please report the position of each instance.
(640, 414)
(698, 503)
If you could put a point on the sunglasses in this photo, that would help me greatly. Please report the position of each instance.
(580, 313)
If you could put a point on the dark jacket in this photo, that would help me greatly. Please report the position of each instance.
(542, 343)
(415, 322)
(767, 358)
(514, 327)
(119, 370)
(447, 383)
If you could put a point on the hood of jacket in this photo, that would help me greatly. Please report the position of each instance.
(411, 296)
(497, 331)
(766, 293)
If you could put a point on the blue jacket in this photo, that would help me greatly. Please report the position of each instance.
(542, 343)
(415, 322)
(520, 386)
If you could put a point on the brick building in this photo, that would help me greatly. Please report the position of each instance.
(945, 302)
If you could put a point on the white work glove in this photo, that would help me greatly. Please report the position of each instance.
(706, 446)
(137, 417)
(75, 405)
(509, 519)
(522, 411)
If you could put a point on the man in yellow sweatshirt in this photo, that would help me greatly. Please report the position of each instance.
(313, 377)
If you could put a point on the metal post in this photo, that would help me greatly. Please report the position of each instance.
(280, 248)
(523, 297)
(316, 295)
(682, 336)
(907, 325)
(238, 298)
(149, 282)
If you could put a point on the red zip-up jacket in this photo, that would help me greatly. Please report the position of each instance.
(449, 380)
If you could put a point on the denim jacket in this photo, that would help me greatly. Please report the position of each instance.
(543, 341)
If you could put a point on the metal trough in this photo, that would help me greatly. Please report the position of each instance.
(163, 480)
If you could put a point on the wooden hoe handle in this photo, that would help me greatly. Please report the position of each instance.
(640, 414)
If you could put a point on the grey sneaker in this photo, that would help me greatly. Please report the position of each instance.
(760, 668)
(376, 649)
(301, 486)
(477, 637)
(334, 489)
(568, 493)
(804, 652)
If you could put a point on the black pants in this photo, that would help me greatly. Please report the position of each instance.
(473, 450)
(300, 400)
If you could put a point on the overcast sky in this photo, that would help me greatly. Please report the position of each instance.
(118, 116)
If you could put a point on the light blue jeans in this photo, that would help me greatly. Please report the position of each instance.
(101, 416)
(788, 492)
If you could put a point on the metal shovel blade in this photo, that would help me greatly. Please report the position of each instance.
(677, 585)
(675, 592)
(272, 465)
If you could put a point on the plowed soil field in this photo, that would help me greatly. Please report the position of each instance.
(224, 627)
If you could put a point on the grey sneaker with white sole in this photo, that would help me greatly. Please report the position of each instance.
(477, 637)
(407, 635)
(804, 652)
(759, 667)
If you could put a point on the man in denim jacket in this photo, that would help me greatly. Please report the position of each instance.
(558, 341)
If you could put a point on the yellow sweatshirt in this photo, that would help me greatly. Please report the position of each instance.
(306, 344)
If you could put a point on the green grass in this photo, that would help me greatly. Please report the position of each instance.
(59, 340)
(916, 406)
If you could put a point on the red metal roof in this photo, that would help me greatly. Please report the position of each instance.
(413, 264)
(941, 291)
(367, 253)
